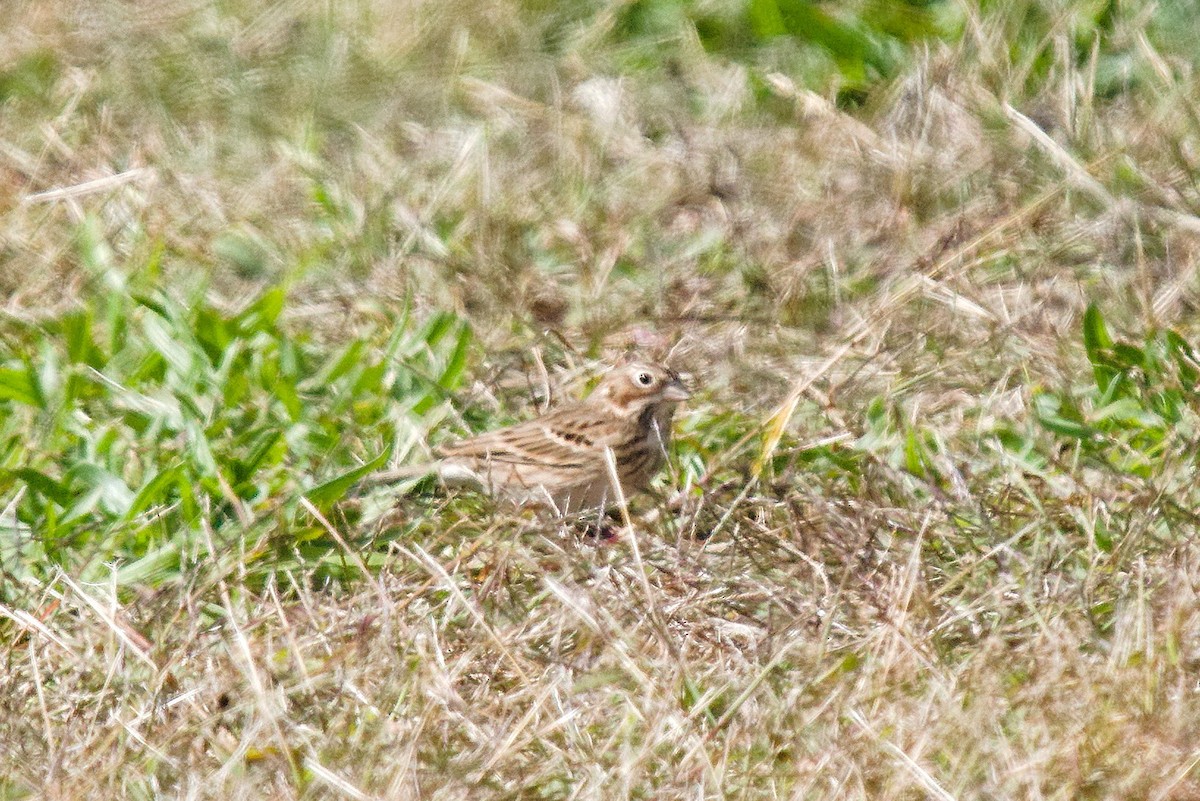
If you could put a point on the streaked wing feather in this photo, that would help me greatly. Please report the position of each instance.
(552, 441)
(561, 455)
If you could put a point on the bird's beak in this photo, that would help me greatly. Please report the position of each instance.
(675, 392)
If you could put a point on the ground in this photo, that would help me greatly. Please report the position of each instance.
(928, 528)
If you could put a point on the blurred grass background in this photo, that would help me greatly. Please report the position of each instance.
(931, 516)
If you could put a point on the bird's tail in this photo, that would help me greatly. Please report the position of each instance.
(452, 474)
(398, 474)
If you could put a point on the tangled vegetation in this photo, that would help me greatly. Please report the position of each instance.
(929, 525)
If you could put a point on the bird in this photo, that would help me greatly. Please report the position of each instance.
(560, 460)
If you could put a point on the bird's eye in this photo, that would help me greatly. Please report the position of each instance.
(645, 379)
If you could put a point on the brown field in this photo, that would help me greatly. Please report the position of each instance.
(929, 530)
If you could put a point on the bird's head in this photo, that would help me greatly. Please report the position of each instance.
(632, 387)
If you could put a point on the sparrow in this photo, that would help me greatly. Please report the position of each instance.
(561, 459)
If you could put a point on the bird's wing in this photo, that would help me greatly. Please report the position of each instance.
(570, 439)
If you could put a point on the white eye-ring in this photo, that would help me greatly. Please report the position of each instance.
(645, 379)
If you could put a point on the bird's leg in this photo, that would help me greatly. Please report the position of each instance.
(605, 528)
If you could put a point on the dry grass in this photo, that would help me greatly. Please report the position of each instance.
(930, 591)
